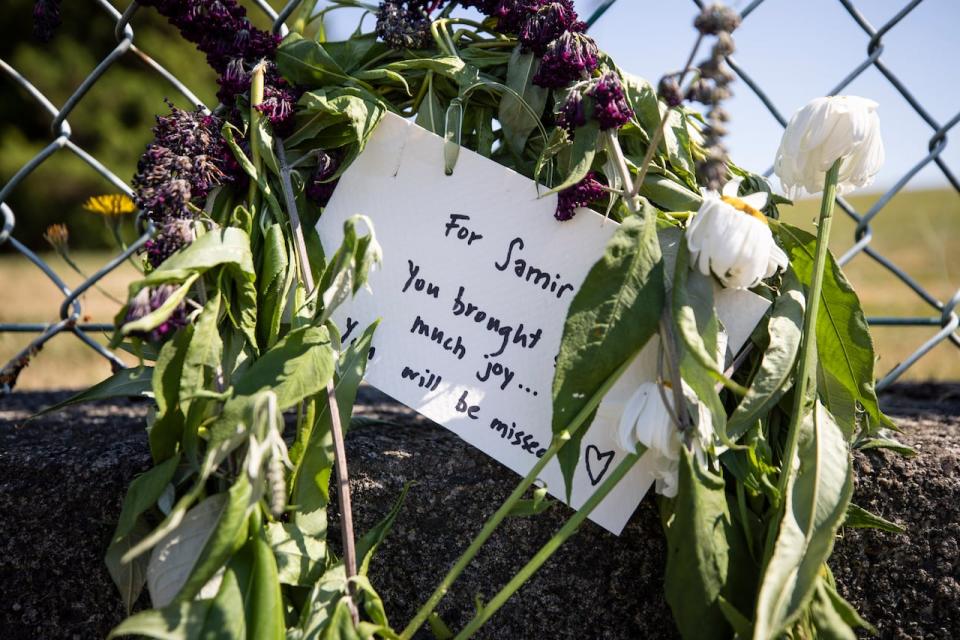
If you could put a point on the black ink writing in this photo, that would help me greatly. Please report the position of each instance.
(507, 333)
(517, 437)
(465, 407)
(462, 233)
(351, 325)
(419, 284)
(424, 380)
(536, 276)
(497, 370)
(452, 344)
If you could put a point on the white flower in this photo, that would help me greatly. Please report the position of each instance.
(647, 420)
(827, 130)
(730, 238)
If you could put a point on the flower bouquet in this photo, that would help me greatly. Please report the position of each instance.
(232, 320)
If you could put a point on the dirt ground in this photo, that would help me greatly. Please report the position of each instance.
(62, 479)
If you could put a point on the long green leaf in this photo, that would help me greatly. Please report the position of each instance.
(844, 345)
(582, 153)
(698, 551)
(613, 315)
(815, 506)
(772, 378)
(126, 383)
(518, 122)
(179, 621)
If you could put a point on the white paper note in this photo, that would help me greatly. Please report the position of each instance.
(476, 280)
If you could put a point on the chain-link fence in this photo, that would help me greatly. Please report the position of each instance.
(943, 320)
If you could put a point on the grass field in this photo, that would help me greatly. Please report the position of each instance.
(919, 230)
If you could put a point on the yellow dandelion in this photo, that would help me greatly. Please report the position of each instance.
(111, 204)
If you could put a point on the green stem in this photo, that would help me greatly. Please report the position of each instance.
(256, 97)
(550, 547)
(559, 440)
(806, 373)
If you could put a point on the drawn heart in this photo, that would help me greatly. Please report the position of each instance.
(600, 461)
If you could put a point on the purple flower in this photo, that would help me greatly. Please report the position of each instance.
(716, 19)
(569, 58)
(612, 110)
(320, 188)
(579, 195)
(669, 91)
(46, 19)
(149, 300)
(184, 162)
(279, 99)
(404, 24)
(545, 23)
(573, 113)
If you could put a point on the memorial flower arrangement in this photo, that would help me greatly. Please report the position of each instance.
(232, 319)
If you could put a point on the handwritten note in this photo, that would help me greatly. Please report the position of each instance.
(476, 282)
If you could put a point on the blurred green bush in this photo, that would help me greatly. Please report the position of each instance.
(112, 122)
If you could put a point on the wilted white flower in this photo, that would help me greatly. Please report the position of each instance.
(827, 130)
(730, 238)
(647, 420)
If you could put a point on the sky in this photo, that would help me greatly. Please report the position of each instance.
(797, 50)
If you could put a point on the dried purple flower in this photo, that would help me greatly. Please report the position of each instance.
(669, 91)
(612, 110)
(46, 19)
(571, 57)
(545, 23)
(715, 19)
(404, 24)
(579, 195)
(278, 104)
(573, 113)
(320, 188)
(149, 300)
(171, 236)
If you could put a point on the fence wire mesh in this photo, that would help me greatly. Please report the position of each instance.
(943, 319)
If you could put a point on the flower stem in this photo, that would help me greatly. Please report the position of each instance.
(336, 429)
(547, 550)
(559, 441)
(256, 97)
(806, 372)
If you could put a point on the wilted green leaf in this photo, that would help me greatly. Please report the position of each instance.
(613, 315)
(518, 122)
(125, 383)
(844, 346)
(860, 518)
(815, 506)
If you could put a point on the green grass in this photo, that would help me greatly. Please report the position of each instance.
(918, 230)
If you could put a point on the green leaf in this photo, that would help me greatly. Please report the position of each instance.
(228, 245)
(276, 278)
(300, 558)
(884, 442)
(128, 576)
(518, 122)
(860, 518)
(297, 367)
(306, 63)
(167, 428)
(265, 602)
(844, 346)
(431, 114)
(223, 540)
(142, 494)
(125, 383)
(226, 618)
(179, 621)
(698, 551)
(815, 506)
(204, 353)
(355, 52)
(582, 153)
(314, 448)
(535, 506)
(191, 553)
(772, 378)
(453, 130)
(613, 315)
(368, 543)
(162, 313)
